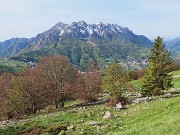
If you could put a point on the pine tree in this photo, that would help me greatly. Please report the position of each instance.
(157, 78)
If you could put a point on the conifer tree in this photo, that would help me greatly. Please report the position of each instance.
(157, 78)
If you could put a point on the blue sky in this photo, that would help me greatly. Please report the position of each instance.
(27, 18)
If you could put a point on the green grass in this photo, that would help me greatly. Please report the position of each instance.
(137, 83)
(175, 72)
(176, 82)
(155, 118)
(176, 79)
(16, 65)
(160, 117)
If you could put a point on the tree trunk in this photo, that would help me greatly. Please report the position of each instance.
(34, 108)
(56, 104)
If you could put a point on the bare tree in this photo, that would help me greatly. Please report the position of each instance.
(59, 75)
(26, 92)
(89, 86)
(52, 80)
(34, 90)
(5, 86)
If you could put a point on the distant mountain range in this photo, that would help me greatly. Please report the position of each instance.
(174, 44)
(82, 43)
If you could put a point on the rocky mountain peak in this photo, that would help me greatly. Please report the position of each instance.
(59, 26)
(85, 31)
(80, 24)
(94, 34)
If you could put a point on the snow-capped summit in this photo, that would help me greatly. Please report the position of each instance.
(83, 31)
(94, 34)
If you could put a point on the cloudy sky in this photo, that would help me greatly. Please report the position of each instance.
(27, 18)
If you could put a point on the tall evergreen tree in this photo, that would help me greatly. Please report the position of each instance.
(157, 78)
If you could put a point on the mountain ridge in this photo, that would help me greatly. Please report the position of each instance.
(174, 44)
(80, 42)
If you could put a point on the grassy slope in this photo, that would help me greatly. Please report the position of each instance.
(157, 118)
(16, 65)
(175, 81)
(157, 121)
(138, 83)
(175, 72)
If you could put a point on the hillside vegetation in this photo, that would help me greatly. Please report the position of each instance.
(12, 66)
(176, 80)
(158, 117)
(54, 97)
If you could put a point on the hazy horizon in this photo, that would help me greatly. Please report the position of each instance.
(149, 18)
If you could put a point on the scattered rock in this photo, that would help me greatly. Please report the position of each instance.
(142, 100)
(161, 98)
(82, 121)
(168, 95)
(4, 122)
(103, 127)
(107, 115)
(119, 106)
(138, 95)
(116, 116)
(70, 127)
(93, 123)
(81, 108)
(105, 94)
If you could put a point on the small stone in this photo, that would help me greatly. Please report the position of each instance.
(70, 127)
(82, 121)
(107, 115)
(92, 123)
(3, 122)
(142, 100)
(118, 106)
(138, 95)
(168, 95)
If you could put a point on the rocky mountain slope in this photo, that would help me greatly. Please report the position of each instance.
(174, 44)
(174, 47)
(13, 46)
(92, 34)
(81, 42)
